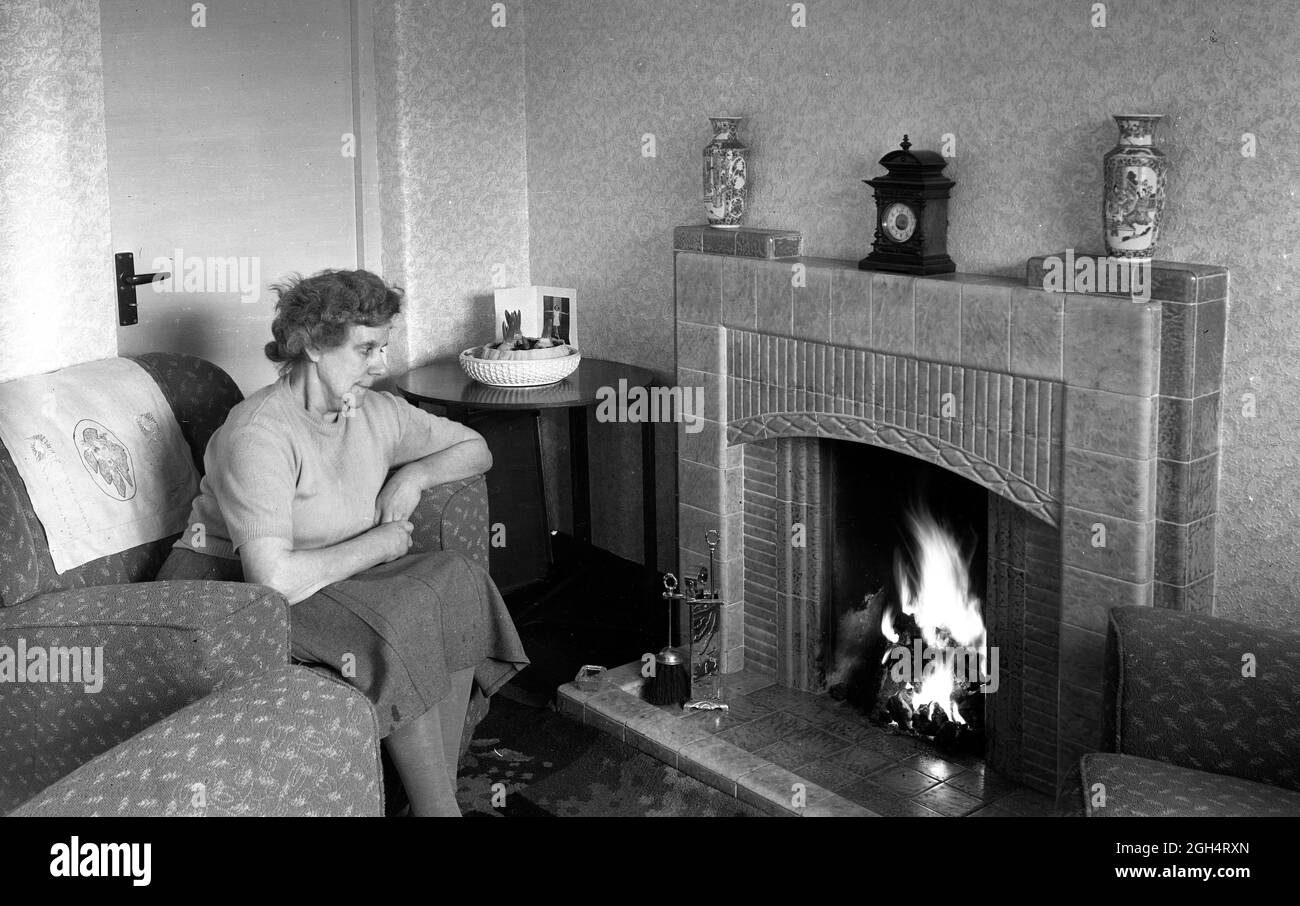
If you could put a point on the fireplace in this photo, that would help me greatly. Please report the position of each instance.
(1090, 422)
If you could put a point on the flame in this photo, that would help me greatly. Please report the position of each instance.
(938, 684)
(941, 603)
(887, 626)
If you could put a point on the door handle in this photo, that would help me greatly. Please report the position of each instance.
(127, 281)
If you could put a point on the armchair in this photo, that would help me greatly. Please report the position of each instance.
(200, 710)
(1202, 718)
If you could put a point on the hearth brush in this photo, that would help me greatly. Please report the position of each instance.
(670, 681)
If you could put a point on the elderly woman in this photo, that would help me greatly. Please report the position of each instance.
(295, 497)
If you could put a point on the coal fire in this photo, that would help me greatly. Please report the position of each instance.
(921, 651)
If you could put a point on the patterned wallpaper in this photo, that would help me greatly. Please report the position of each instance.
(1025, 88)
(453, 177)
(56, 305)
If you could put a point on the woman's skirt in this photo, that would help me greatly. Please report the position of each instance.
(396, 631)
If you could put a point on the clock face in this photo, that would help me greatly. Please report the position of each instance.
(898, 222)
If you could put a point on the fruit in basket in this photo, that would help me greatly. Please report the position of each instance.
(514, 345)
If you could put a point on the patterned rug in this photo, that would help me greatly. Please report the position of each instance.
(528, 762)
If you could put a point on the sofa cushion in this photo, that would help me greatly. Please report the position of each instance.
(1125, 786)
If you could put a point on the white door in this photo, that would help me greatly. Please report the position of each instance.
(226, 125)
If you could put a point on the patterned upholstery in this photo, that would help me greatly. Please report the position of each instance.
(165, 645)
(453, 517)
(1190, 733)
(1178, 693)
(316, 757)
(1124, 786)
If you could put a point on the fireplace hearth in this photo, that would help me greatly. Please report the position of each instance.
(1078, 417)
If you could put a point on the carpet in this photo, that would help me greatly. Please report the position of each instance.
(530, 762)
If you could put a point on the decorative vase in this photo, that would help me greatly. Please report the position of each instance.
(726, 175)
(1135, 173)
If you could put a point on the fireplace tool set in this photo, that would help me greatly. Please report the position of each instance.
(695, 682)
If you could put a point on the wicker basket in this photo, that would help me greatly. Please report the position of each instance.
(519, 372)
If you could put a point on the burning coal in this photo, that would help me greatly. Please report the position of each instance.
(927, 640)
(939, 647)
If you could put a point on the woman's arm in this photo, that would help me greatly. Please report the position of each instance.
(269, 559)
(463, 459)
(300, 574)
(401, 493)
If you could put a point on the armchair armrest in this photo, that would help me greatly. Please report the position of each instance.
(158, 645)
(289, 742)
(1204, 693)
(453, 516)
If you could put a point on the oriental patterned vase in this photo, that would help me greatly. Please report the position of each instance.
(1136, 173)
(726, 174)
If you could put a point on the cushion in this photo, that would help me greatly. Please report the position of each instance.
(1139, 787)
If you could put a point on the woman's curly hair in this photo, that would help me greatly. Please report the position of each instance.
(318, 310)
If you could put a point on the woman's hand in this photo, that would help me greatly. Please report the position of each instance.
(399, 496)
(394, 538)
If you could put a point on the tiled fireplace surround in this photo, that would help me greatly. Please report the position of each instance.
(1079, 413)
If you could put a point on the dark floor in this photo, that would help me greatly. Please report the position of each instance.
(593, 608)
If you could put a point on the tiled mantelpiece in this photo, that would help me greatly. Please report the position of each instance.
(1193, 306)
(745, 243)
(1084, 410)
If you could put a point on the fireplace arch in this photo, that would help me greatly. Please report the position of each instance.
(1039, 501)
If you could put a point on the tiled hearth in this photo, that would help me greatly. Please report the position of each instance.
(1079, 413)
(776, 743)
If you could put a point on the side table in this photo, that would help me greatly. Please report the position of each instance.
(443, 383)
